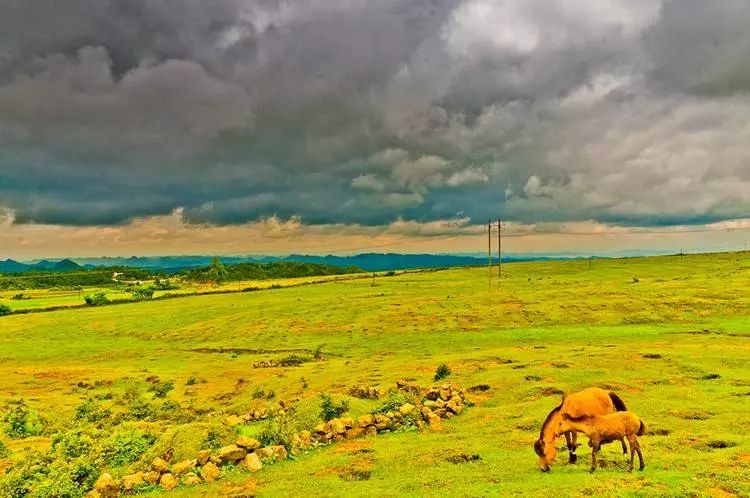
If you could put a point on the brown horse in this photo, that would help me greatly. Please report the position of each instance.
(605, 428)
(585, 403)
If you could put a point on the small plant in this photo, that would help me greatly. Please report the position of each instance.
(5, 310)
(392, 402)
(126, 447)
(318, 354)
(258, 393)
(20, 422)
(142, 293)
(191, 381)
(96, 299)
(161, 389)
(329, 409)
(4, 451)
(304, 382)
(292, 360)
(442, 372)
(214, 439)
(90, 411)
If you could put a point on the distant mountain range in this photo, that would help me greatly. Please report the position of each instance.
(174, 264)
(65, 265)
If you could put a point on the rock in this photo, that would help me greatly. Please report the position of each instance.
(336, 426)
(151, 477)
(191, 479)
(265, 453)
(231, 453)
(445, 394)
(279, 453)
(382, 422)
(210, 472)
(366, 420)
(406, 409)
(248, 443)
(440, 412)
(132, 481)
(233, 420)
(347, 421)
(159, 465)
(184, 467)
(305, 439)
(434, 420)
(203, 457)
(106, 486)
(354, 432)
(169, 481)
(432, 394)
(455, 406)
(439, 403)
(92, 494)
(429, 403)
(320, 429)
(371, 431)
(253, 463)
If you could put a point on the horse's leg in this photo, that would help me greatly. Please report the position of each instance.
(640, 455)
(571, 446)
(594, 449)
(633, 446)
(624, 448)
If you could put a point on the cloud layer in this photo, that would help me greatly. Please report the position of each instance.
(337, 112)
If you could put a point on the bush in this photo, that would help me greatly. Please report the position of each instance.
(161, 389)
(4, 450)
(126, 447)
(329, 409)
(442, 372)
(5, 310)
(292, 360)
(73, 444)
(90, 411)
(392, 402)
(142, 293)
(20, 422)
(96, 299)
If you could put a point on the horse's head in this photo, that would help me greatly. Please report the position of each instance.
(547, 453)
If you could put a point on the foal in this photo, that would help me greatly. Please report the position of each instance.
(605, 428)
(590, 401)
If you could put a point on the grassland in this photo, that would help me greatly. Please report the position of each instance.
(671, 335)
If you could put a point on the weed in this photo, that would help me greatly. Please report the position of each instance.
(329, 409)
(441, 372)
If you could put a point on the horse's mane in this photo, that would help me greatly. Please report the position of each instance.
(548, 419)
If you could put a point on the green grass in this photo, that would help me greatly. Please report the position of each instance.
(562, 325)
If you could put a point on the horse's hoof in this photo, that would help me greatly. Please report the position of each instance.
(642, 467)
(591, 471)
(573, 458)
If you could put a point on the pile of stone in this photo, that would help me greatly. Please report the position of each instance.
(206, 467)
(434, 405)
(260, 413)
(366, 392)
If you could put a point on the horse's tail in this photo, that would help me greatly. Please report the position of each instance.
(641, 429)
(617, 402)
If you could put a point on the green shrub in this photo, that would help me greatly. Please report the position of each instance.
(73, 444)
(4, 450)
(142, 293)
(90, 411)
(5, 310)
(393, 402)
(293, 360)
(442, 372)
(96, 299)
(329, 409)
(140, 409)
(161, 389)
(126, 447)
(20, 422)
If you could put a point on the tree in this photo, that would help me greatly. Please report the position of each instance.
(217, 273)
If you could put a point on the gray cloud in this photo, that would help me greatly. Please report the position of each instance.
(349, 111)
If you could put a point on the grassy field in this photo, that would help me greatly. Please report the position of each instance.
(671, 335)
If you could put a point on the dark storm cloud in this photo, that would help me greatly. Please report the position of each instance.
(354, 111)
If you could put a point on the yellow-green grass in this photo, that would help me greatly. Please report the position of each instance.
(549, 326)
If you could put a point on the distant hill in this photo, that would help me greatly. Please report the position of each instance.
(66, 265)
(366, 261)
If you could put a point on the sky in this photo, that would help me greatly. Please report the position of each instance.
(333, 126)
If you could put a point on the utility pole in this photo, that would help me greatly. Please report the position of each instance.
(500, 227)
(489, 253)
